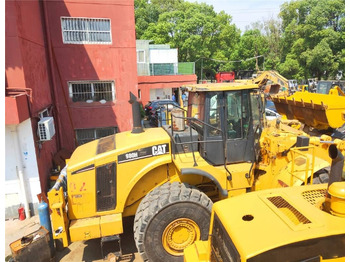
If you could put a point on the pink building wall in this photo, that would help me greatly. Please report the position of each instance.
(39, 66)
(26, 73)
(76, 62)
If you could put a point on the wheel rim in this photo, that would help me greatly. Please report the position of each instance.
(180, 234)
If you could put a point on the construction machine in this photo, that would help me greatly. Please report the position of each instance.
(323, 109)
(280, 83)
(288, 224)
(168, 177)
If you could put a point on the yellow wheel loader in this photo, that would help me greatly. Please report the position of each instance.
(323, 109)
(168, 177)
(289, 224)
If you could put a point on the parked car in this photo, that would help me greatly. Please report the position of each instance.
(270, 105)
(152, 106)
(271, 115)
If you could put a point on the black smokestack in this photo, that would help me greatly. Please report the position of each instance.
(136, 115)
(337, 164)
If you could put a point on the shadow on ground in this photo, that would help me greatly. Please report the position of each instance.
(90, 250)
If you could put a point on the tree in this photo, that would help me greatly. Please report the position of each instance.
(313, 37)
(307, 41)
(195, 29)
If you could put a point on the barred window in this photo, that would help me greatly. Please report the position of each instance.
(86, 135)
(91, 91)
(86, 30)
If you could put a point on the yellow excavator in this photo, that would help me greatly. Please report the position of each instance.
(168, 177)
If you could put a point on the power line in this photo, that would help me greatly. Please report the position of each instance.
(230, 61)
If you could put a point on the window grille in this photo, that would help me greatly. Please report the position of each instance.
(86, 135)
(92, 91)
(86, 30)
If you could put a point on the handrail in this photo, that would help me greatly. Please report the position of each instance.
(298, 151)
(189, 122)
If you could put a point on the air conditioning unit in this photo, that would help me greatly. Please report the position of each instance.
(46, 128)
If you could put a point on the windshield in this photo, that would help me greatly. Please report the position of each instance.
(323, 87)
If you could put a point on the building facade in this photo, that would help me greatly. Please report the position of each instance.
(70, 63)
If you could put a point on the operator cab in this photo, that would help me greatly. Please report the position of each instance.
(229, 121)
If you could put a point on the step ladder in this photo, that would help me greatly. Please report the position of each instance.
(111, 244)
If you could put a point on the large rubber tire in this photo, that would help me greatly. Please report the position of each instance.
(169, 205)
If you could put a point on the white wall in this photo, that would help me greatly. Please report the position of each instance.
(26, 160)
(161, 56)
(162, 93)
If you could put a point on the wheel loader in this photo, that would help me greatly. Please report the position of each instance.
(287, 224)
(323, 109)
(168, 177)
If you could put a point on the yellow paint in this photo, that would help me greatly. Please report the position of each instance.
(337, 203)
(84, 229)
(111, 225)
(180, 234)
(59, 217)
(197, 252)
(316, 110)
(258, 215)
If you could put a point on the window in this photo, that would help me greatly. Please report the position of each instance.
(92, 91)
(238, 114)
(86, 30)
(139, 93)
(86, 135)
(141, 56)
(214, 114)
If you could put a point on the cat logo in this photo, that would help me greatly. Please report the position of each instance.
(159, 150)
(145, 152)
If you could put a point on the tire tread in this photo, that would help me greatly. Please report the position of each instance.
(160, 198)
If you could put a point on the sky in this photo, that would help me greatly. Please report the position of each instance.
(246, 12)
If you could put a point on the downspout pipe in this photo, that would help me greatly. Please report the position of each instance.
(20, 173)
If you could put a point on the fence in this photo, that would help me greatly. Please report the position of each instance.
(148, 69)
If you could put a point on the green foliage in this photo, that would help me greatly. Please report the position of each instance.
(308, 40)
(313, 38)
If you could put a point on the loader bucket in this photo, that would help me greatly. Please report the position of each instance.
(315, 110)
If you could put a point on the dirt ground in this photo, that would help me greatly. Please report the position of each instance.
(89, 251)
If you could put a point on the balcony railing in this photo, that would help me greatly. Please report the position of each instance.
(148, 69)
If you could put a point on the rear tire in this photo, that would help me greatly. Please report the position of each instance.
(170, 218)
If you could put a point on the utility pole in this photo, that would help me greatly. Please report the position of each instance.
(202, 70)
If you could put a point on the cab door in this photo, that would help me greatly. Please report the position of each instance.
(239, 126)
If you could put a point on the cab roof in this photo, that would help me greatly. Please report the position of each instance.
(237, 85)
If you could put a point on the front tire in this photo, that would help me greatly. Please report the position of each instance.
(169, 219)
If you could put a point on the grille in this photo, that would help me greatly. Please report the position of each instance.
(313, 196)
(294, 215)
(106, 187)
(86, 30)
(42, 132)
(91, 91)
(222, 247)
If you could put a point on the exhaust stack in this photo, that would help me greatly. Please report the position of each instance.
(337, 164)
(136, 115)
(336, 189)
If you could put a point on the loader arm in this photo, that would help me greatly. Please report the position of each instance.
(274, 77)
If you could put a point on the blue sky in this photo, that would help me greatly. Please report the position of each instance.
(246, 12)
